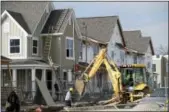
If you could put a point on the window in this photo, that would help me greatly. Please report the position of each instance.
(112, 54)
(135, 59)
(81, 49)
(95, 49)
(35, 47)
(6, 27)
(154, 67)
(148, 65)
(122, 56)
(69, 47)
(64, 75)
(14, 45)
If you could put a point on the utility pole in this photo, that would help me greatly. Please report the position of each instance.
(85, 29)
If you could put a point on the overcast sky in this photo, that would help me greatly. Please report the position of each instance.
(149, 17)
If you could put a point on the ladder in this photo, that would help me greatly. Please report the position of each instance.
(47, 48)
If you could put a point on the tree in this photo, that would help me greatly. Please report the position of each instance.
(162, 50)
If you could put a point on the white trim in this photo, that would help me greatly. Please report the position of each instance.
(6, 13)
(73, 38)
(78, 32)
(35, 54)
(20, 46)
(50, 34)
(70, 20)
(70, 38)
(37, 58)
(29, 65)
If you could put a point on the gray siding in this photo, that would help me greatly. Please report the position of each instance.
(55, 54)
(67, 63)
(38, 32)
(14, 32)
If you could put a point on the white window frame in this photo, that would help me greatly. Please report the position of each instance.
(6, 27)
(70, 38)
(37, 46)
(10, 38)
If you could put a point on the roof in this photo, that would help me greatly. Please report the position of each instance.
(5, 60)
(19, 18)
(27, 62)
(135, 41)
(98, 28)
(57, 19)
(31, 11)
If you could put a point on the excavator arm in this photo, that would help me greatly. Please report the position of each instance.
(113, 72)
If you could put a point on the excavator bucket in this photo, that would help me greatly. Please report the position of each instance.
(80, 86)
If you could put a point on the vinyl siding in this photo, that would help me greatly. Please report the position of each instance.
(116, 37)
(14, 32)
(148, 59)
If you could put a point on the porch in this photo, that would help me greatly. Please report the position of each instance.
(23, 74)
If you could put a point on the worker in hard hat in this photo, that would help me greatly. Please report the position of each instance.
(68, 98)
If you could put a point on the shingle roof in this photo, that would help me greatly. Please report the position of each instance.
(18, 17)
(57, 19)
(98, 28)
(30, 11)
(135, 41)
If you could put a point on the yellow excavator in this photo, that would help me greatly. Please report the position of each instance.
(120, 95)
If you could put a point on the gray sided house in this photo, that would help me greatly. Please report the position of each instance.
(141, 48)
(24, 28)
(101, 32)
(62, 27)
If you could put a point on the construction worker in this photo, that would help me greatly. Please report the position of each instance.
(14, 103)
(68, 98)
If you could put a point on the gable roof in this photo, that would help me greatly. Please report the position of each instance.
(135, 41)
(19, 18)
(57, 19)
(31, 12)
(99, 28)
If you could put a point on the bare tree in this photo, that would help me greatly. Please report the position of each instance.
(162, 50)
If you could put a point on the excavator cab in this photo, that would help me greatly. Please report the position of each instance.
(134, 78)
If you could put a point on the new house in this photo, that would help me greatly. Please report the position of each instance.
(142, 48)
(98, 32)
(160, 67)
(33, 33)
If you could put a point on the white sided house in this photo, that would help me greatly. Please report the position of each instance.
(141, 49)
(160, 67)
(101, 32)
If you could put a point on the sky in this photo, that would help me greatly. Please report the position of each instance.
(149, 17)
